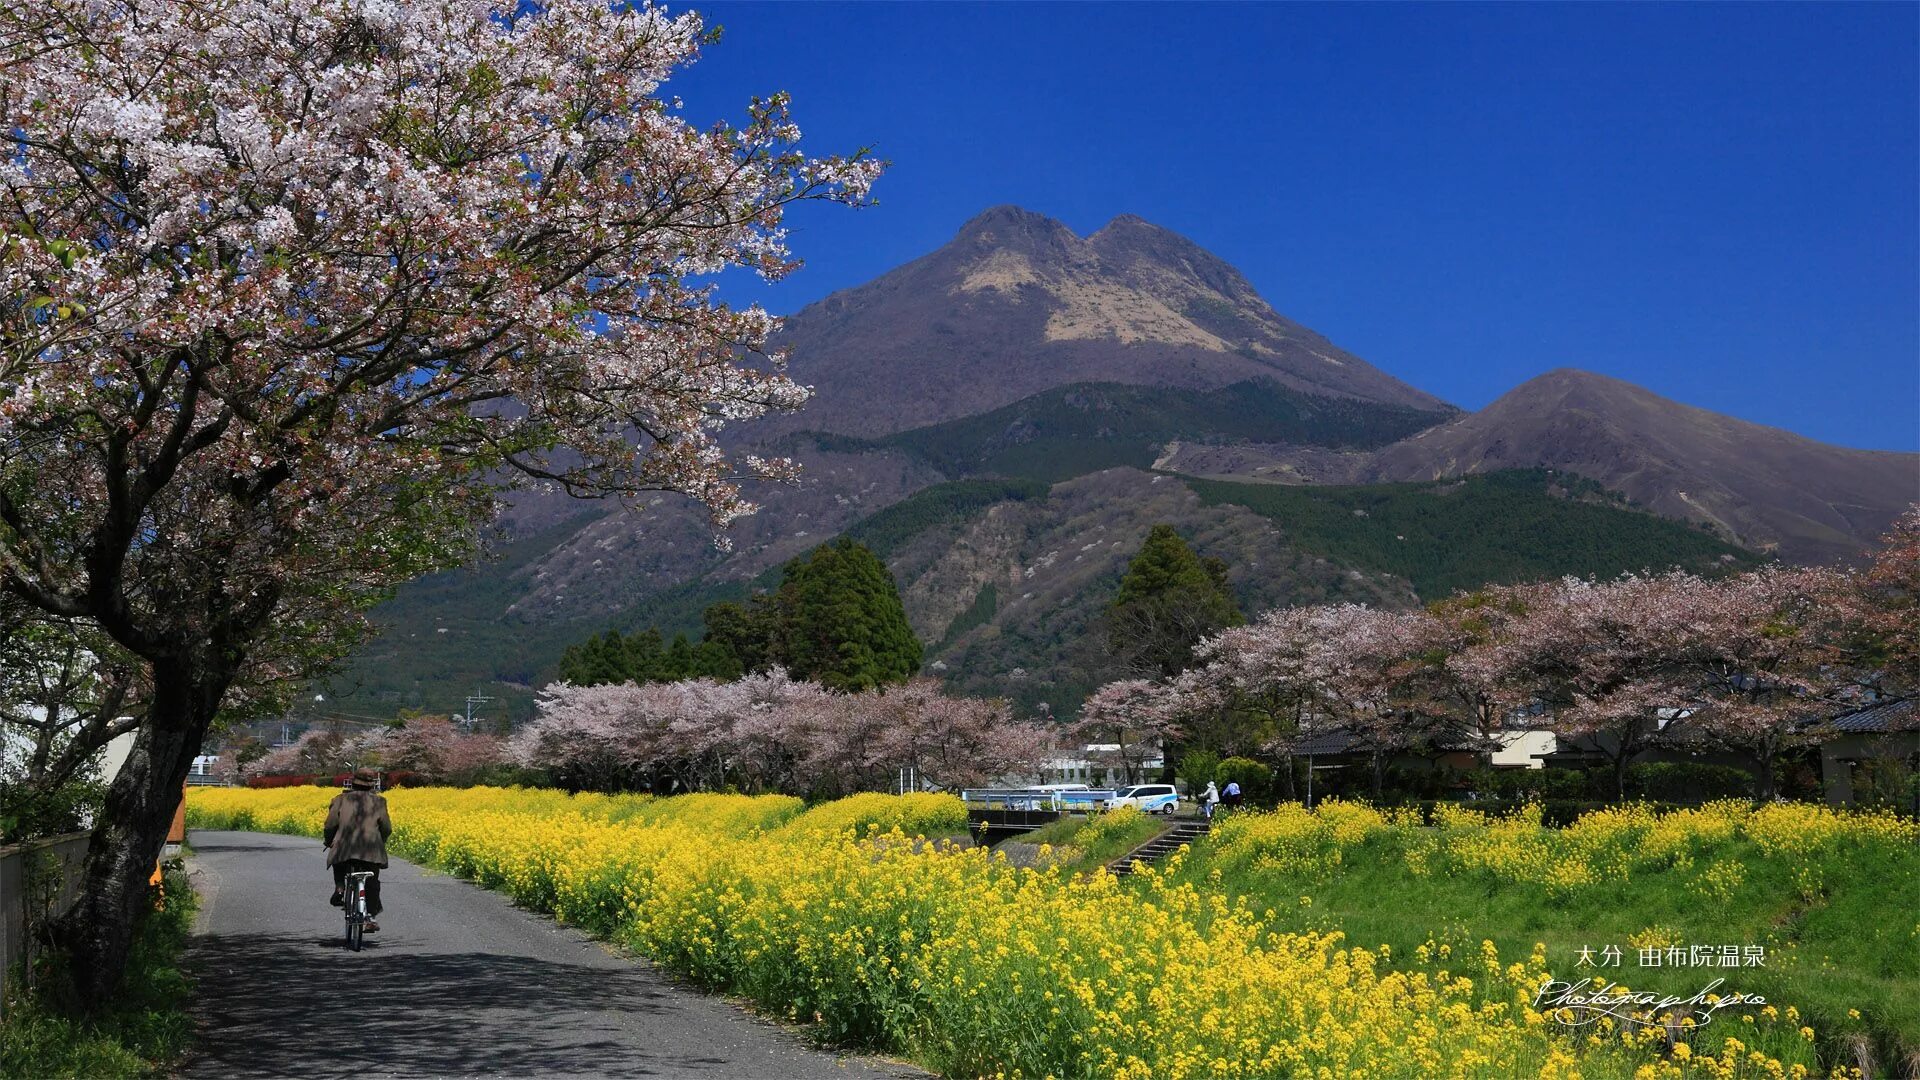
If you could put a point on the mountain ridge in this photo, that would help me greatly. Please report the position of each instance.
(1766, 488)
(1017, 303)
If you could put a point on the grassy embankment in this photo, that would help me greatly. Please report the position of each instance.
(1084, 844)
(142, 1032)
(1836, 908)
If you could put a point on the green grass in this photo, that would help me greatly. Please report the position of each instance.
(1087, 843)
(1853, 944)
(1519, 525)
(142, 1032)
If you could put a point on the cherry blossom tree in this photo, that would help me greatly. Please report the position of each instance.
(287, 292)
(1608, 658)
(432, 747)
(1768, 648)
(769, 732)
(318, 750)
(1259, 677)
(1134, 717)
(1460, 667)
(1889, 606)
(1299, 672)
(1369, 679)
(955, 742)
(582, 736)
(65, 691)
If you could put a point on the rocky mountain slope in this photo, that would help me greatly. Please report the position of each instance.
(1017, 304)
(1761, 487)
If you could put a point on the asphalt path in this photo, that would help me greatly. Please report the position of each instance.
(458, 982)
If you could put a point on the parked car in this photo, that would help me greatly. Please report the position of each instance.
(1147, 798)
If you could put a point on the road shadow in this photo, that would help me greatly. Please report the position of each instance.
(297, 1005)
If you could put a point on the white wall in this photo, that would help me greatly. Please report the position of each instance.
(1524, 749)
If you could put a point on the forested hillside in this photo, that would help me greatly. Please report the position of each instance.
(1074, 430)
(1007, 582)
(1503, 527)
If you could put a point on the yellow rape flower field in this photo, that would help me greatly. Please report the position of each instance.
(836, 918)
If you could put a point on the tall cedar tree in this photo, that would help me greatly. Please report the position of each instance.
(836, 619)
(840, 621)
(1168, 600)
(742, 633)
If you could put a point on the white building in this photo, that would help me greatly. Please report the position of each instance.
(1097, 762)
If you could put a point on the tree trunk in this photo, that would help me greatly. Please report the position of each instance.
(1764, 783)
(1288, 786)
(1379, 775)
(131, 832)
(1620, 775)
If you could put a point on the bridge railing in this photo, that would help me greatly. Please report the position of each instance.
(1038, 798)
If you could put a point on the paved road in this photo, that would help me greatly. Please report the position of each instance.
(457, 983)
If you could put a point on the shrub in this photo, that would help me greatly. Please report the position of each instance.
(1254, 778)
(1687, 781)
(1197, 767)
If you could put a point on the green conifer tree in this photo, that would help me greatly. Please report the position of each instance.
(1168, 600)
(645, 660)
(744, 631)
(596, 661)
(712, 660)
(677, 664)
(840, 620)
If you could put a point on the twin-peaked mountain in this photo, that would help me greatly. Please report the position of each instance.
(1017, 304)
(1003, 419)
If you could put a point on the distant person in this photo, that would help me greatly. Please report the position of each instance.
(1209, 799)
(356, 840)
(1231, 796)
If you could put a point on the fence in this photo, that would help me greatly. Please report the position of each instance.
(1050, 798)
(39, 881)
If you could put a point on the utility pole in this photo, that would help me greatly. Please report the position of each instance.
(472, 700)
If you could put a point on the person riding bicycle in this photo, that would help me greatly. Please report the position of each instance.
(356, 839)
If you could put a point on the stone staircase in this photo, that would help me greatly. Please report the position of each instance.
(1184, 831)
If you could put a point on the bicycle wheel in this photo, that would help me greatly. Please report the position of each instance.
(356, 916)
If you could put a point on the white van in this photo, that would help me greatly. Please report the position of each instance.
(1147, 798)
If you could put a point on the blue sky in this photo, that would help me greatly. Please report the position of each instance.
(1720, 202)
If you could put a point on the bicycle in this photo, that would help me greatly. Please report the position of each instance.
(356, 906)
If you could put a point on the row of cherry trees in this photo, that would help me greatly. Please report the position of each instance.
(427, 747)
(1738, 664)
(769, 732)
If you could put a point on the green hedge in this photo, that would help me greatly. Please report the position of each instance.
(1665, 781)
